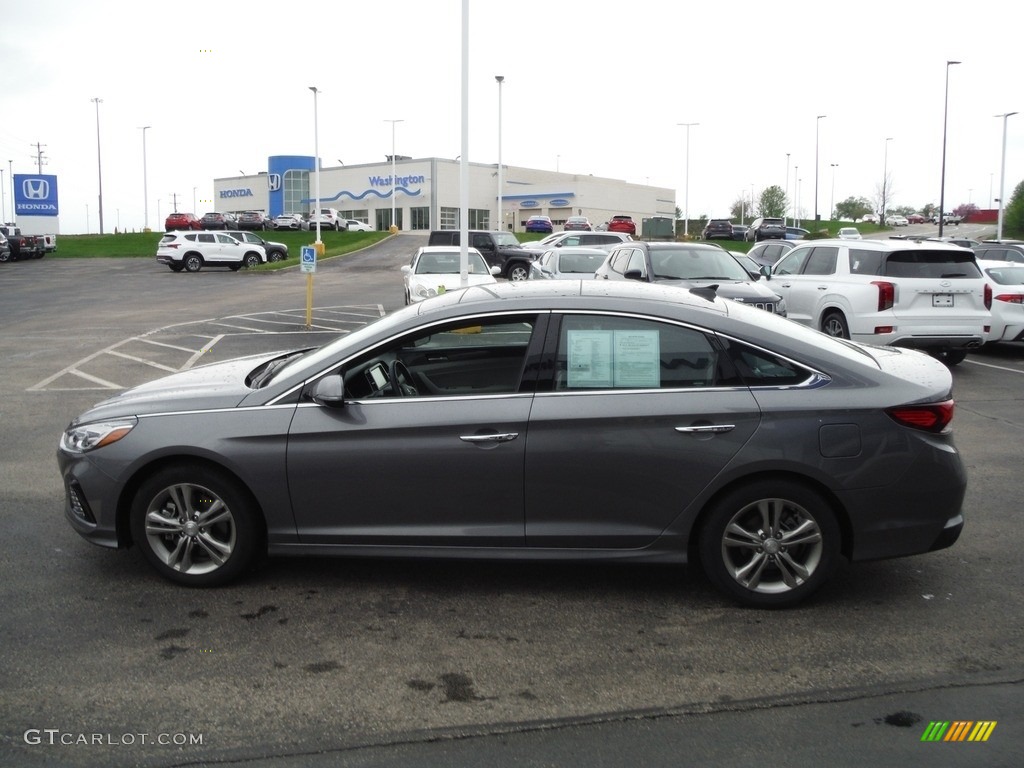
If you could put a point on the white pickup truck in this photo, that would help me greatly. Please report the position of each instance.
(919, 294)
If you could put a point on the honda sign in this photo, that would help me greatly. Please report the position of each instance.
(35, 195)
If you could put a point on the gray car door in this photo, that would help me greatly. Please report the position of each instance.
(440, 466)
(635, 427)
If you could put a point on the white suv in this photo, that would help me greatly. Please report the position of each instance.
(925, 295)
(329, 218)
(191, 251)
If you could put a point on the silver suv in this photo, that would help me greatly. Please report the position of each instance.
(191, 251)
(924, 295)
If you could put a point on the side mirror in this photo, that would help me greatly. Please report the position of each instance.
(766, 271)
(329, 391)
(406, 269)
(635, 274)
(495, 271)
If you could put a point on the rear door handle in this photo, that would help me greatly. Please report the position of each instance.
(713, 428)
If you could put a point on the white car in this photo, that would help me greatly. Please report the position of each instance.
(903, 293)
(354, 225)
(435, 269)
(191, 251)
(568, 264)
(895, 220)
(848, 233)
(289, 221)
(329, 218)
(1007, 278)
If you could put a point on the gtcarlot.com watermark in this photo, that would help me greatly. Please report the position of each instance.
(56, 736)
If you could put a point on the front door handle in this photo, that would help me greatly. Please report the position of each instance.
(713, 428)
(500, 437)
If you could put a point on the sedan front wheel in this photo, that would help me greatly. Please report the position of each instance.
(196, 526)
(770, 544)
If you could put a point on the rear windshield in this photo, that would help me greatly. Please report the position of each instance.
(936, 264)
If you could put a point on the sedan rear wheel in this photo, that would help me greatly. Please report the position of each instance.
(195, 525)
(770, 544)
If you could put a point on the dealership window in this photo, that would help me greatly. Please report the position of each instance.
(449, 218)
(419, 218)
(295, 185)
(359, 214)
(479, 218)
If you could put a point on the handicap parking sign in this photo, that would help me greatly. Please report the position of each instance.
(308, 259)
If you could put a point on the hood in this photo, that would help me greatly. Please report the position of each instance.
(737, 290)
(219, 385)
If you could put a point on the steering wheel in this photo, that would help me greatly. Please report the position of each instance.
(402, 384)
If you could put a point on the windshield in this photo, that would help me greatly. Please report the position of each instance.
(695, 264)
(505, 240)
(449, 263)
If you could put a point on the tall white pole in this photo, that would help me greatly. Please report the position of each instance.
(501, 178)
(686, 188)
(464, 157)
(145, 183)
(99, 164)
(394, 171)
(816, 132)
(787, 190)
(942, 182)
(1002, 177)
(885, 178)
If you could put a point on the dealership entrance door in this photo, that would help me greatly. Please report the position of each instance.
(383, 219)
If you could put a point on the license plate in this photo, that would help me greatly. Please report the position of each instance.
(942, 300)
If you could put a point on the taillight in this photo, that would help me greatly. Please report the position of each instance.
(988, 296)
(886, 294)
(930, 417)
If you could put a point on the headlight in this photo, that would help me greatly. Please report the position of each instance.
(424, 292)
(86, 437)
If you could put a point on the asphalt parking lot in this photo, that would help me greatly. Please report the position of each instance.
(311, 662)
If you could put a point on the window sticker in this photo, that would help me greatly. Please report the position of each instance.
(626, 359)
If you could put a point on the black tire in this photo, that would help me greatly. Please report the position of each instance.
(770, 543)
(951, 357)
(834, 324)
(193, 262)
(275, 256)
(252, 260)
(176, 267)
(517, 272)
(196, 525)
(5, 256)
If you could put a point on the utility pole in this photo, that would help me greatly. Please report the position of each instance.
(174, 200)
(40, 162)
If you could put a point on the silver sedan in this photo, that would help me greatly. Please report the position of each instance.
(572, 420)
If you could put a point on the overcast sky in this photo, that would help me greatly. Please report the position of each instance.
(591, 87)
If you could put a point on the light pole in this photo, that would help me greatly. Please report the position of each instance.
(885, 177)
(817, 123)
(3, 199)
(832, 202)
(501, 203)
(945, 120)
(145, 182)
(194, 199)
(751, 201)
(796, 196)
(784, 199)
(99, 164)
(1002, 177)
(316, 168)
(394, 223)
(686, 188)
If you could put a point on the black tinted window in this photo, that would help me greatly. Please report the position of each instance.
(822, 261)
(948, 264)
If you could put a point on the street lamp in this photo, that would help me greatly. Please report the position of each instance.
(99, 164)
(394, 223)
(1002, 177)
(832, 202)
(945, 120)
(885, 176)
(784, 199)
(817, 122)
(501, 203)
(145, 182)
(686, 188)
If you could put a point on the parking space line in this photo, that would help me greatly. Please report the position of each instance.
(997, 367)
(95, 379)
(144, 361)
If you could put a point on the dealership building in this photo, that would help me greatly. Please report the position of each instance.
(424, 194)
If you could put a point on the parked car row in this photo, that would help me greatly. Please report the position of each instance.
(234, 249)
(256, 220)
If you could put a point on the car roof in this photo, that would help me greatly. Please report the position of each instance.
(444, 249)
(885, 245)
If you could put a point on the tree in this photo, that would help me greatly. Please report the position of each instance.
(929, 209)
(884, 195)
(1013, 214)
(740, 209)
(772, 202)
(853, 208)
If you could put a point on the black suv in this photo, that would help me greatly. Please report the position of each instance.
(1000, 250)
(275, 251)
(766, 229)
(718, 228)
(252, 220)
(499, 249)
(217, 221)
(690, 266)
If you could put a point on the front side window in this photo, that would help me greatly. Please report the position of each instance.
(822, 261)
(792, 263)
(484, 356)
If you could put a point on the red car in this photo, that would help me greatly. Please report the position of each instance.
(622, 224)
(177, 221)
(916, 218)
